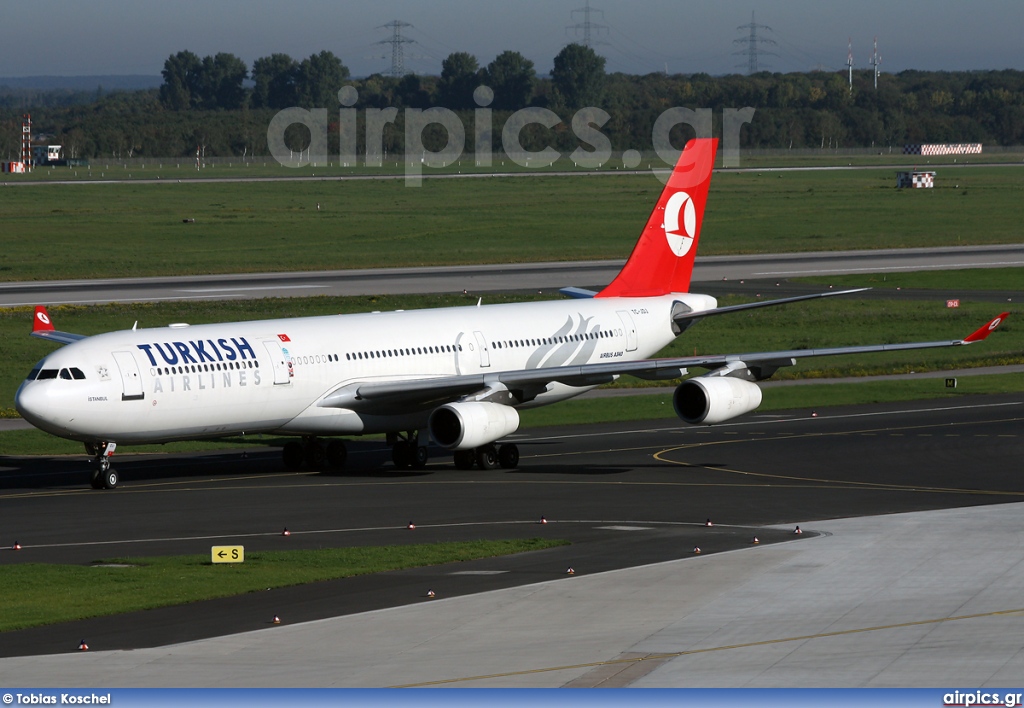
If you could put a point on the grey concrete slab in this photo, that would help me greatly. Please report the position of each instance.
(916, 599)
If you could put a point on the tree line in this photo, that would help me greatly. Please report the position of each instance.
(222, 104)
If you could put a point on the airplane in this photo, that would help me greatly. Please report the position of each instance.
(458, 376)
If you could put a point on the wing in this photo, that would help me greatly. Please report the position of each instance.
(525, 384)
(43, 328)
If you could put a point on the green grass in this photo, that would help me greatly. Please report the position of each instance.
(37, 594)
(115, 230)
(1009, 280)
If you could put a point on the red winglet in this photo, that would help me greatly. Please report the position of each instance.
(41, 322)
(987, 329)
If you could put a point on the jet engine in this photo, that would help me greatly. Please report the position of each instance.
(470, 424)
(714, 399)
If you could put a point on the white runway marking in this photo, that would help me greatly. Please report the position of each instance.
(900, 268)
(253, 287)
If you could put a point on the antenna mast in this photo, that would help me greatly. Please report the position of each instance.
(875, 61)
(849, 62)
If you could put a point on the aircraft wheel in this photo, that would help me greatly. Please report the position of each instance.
(487, 457)
(419, 456)
(402, 455)
(292, 454)
(337, 454)
(313, 452)
(465, 459)
(110, 479)
(96, 479)
(508, 456)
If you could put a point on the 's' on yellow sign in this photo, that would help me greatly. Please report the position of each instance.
(227, 554)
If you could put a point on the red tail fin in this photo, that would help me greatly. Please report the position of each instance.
(662, 260)
(41, 322)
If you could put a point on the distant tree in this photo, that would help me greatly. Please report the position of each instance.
(578, 76)
(181, 81)
(320, 77)
(460, 75)
(222, 82)
(412, 92)
(511, 76)
(275, 78)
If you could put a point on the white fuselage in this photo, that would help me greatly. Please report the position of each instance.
(185, 382)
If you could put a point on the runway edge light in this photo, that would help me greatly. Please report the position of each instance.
(82, 646)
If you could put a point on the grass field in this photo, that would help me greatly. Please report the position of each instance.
(1008, 280)
(116, 230)
(36, 594)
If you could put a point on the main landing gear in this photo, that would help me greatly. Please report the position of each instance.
(103, 475)
(313, 454)
(407, 450)
(488, 457)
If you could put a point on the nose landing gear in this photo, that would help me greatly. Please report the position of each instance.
(103, 475)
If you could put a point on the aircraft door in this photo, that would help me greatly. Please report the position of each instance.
(131, 379)
(629, 328)
(481, 342)
(280, 362)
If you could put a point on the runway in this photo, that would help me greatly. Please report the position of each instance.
(625, 495)
(480, 279)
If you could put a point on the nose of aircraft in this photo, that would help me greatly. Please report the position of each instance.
(32, 402)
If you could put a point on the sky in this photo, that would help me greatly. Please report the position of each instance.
(97, 37)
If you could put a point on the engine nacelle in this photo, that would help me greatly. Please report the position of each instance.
(713, 399)
(464, 426)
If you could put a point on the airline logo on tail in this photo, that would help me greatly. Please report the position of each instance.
(662, 260)
(680, 241)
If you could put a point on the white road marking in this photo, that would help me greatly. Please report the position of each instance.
(899, 268)
(478, 572)
(624, 528)
(254, 287)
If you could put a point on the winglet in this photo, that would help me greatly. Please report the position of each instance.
(987, 329)
(41, 322)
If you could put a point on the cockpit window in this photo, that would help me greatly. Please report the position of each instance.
(68, 374)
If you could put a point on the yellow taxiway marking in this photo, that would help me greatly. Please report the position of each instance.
(819, 482)
(728, 647)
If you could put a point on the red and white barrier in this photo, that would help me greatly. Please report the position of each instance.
(943, 149)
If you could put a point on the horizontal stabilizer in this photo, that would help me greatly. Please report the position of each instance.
(55, 336)
(578, 293)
